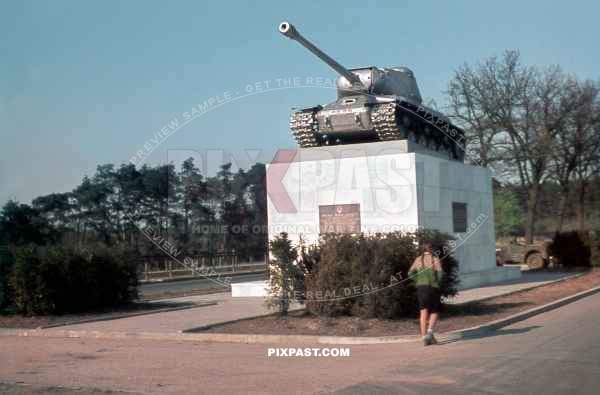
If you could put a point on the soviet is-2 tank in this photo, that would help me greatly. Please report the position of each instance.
(372, 104)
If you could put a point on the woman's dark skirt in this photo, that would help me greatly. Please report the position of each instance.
(429, 298)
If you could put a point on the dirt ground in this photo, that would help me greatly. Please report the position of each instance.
(454, 316)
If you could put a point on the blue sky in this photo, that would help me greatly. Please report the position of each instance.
(84, 83)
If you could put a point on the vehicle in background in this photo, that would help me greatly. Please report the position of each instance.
(535, 255)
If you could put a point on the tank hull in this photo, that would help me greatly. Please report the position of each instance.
(361, 118)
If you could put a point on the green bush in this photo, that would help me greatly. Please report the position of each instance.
(507, 214)
(570, 249)
(56, 280)
(595, 247)
(285, 276)
(366, 276)
(6, 267)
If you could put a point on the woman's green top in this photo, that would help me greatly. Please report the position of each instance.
(424, 273)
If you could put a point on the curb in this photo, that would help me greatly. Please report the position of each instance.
(208, 337)
(184, 278)
(172, 296)
(299, 339)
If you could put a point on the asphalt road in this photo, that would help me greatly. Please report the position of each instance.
(149, 289)
(554, 353)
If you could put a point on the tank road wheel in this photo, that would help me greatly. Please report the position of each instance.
(304, 127)
(386, 122)
(535, 260)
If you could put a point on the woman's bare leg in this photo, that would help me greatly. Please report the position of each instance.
(424, 316)
(432, 321)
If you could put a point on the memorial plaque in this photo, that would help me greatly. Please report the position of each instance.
(339, 218)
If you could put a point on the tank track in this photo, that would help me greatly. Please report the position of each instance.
(384, 118)
(390, 121)
(304, 126)
(387, 121)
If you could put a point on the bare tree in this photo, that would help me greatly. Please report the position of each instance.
(469, 107)
(513, 113)
(577, 149)
(586, 145)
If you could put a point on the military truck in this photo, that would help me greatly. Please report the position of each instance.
(535, 255)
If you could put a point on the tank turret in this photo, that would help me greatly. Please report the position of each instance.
(371, 80)
(373, 104)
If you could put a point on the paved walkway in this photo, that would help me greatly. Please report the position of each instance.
(228, 308)
(528, 280)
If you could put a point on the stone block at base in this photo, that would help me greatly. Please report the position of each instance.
(250, 289)
(488, 277)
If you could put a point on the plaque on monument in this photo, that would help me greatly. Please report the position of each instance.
(339, 218)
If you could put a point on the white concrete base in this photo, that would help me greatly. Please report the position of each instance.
(250, 289)
(397, 187)
(485, 277)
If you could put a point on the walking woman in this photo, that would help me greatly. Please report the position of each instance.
(427, 272)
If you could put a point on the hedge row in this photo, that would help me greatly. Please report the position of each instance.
(576, 249)
(366, 276)
(56, 280)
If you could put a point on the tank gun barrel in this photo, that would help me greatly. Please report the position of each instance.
(288, 30)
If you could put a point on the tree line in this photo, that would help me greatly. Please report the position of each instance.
(197, 214)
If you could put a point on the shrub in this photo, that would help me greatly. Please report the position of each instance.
(56, 280)
(366, 276)
(6, 292)
(595, 247)
(570, 249)
(285, 276)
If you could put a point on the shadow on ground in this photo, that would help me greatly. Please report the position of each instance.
(476, 308)
(483, 333)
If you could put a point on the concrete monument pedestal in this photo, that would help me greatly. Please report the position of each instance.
(384, 187)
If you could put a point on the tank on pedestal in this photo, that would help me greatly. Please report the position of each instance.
(373, 104)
